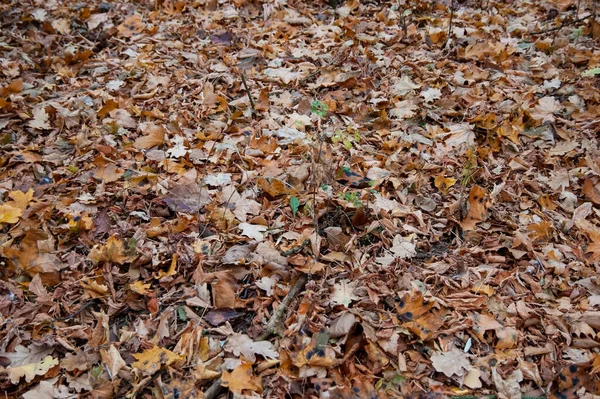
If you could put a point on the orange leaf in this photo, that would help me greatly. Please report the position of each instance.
(242, 378)
(273, 188)
(478, 206)
(130, 26)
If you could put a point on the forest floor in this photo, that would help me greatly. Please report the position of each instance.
(295, 199)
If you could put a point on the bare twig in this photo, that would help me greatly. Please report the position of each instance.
(214, 390)
(594, 2)
(451, 18)
(573, 22)
(277, 318)
(248, 92)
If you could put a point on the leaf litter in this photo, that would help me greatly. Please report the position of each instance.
(284, 199)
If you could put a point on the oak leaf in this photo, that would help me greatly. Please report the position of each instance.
(244, 345)
(454, 362)
(31, 370)
(343, 293)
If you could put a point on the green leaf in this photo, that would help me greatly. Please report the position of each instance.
(591, 72)
(319, 108)
(181, 313)
(295, 204)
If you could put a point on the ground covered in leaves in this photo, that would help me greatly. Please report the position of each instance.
(295, 199)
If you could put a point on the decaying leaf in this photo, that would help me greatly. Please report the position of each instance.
(453, 362)
(151, 360)
(344, 293)
(244, 345)
(186, 197)
(31, 370)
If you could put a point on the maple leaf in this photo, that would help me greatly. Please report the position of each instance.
(241, 378)
(179, 149)
(31, 370)
(343, 293)
(9, 214)
(431, 94)
(545, 109)
(453, 362)
(151, 360)
(403, 85)
(40, 119)
(254, 231)
(244, 345)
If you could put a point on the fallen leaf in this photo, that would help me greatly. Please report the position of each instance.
(242, 378)
(151, 360)
(9, 214)
(453, 362)
(112, 360)
(508, 387)
(40, 119)
(155, 136)
(254, 231)
(31, 370)
(343, 293)
(477, 208)
(186, 197)
(244, 345)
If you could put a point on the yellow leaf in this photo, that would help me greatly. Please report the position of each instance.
(31, 370)
(9, 214)
(112, 251)
(151, 360)
(21, 199)
(483, 288)
(94, 288)
(444, 183)
(172, 270)
(139, 288)
(242, 378)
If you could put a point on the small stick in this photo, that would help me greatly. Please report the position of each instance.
(573, 22)
(248, 92)
(593, 17)
(215, 389)
(451, 17)
(277, 317)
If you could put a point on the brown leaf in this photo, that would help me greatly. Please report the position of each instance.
(155, 135)
(477, 211)
(591, 189)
